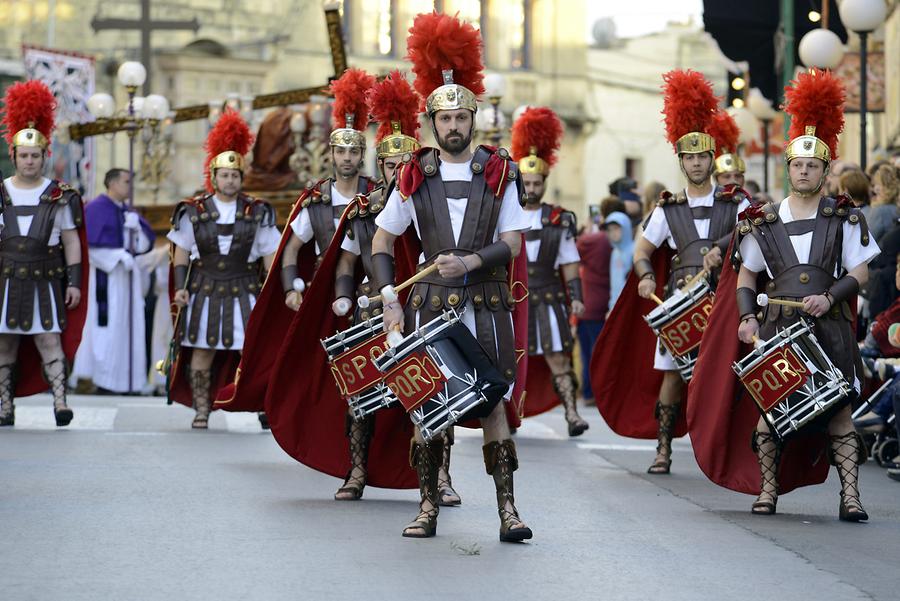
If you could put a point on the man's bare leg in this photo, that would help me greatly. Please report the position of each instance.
(9, 351)
(56, 372)
(500, 461)
(667, 410)
(566, 386)
(200, 379)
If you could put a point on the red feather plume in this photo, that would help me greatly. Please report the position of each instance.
(28, 104)
(724, 131)
(437, 42)
(688, 103)
(540, 128)
(816, 98)
(393, 99)
(230, 132)
(349, 92)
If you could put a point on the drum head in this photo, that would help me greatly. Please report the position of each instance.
(463, 354)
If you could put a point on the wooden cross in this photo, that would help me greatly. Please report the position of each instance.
(146, 26)
(78, 131)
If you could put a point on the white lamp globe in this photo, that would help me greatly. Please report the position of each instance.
(760, 106)
(101, 105)
(155, 107)
(494, 85)
(862, 15)
(132, 73)
(484, 118)
(138, 106)
(821, 48)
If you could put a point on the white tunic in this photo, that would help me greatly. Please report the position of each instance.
(398, 214)
(657, 231)
(265, 243)
(62, 221)
(568, 253)
(302, 226)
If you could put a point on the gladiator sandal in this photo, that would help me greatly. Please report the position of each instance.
(566, 386)
(200, 380)
(55, 374)
(7, 394)
(500, 461)
(666, 415)
(425, 457)
(768, 451)
(263, 420)
(847, 453)
(359, 432)
(448, 497)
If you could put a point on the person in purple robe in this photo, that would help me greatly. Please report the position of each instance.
(113, 348)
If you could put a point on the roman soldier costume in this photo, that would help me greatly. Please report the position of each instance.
(795, 259)
(628, 394)
(725, 132)
(226, 241)
(459, 209)
(34, 271)
(550, 246)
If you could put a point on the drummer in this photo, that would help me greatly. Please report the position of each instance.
(816, 250)
(393, 103)
(693, 227)
(466, 213)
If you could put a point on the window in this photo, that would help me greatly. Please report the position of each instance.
(377, 33)
(519, 34)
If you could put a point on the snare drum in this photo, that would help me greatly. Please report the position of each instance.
(791, 379)
(351, 354)
(680, 321)
(442, 375)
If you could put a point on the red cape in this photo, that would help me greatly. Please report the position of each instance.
(306, 414)
(31, 378)
(626, 387)
(722, 416)
(270, 315)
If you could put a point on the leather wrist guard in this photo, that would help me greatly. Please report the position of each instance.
(495, 255)
(383, 270)
(746, 302)
(73, 275)
(844, 289)
(343, 286)
(644, 268)
(179, 277)
(288, 275)
(575, 290)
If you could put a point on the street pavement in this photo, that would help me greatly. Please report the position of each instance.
(129, 503)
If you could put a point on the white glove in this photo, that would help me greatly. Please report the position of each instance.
(127, 260)
(341, 306)
(132, 221)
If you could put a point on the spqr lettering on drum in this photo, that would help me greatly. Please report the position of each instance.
(680, 321)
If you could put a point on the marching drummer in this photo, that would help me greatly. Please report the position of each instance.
(815, 251)
(466, 213)
(685, 237)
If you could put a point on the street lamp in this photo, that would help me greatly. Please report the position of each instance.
(863, 17)
(491, 119)
(762, 109)
(821, 48)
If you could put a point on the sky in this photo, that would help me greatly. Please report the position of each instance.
(638, 17)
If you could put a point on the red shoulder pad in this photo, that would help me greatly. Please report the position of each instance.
(498, 172)
(754, 211)
(410, 175)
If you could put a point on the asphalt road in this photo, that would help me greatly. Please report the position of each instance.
(128, 503)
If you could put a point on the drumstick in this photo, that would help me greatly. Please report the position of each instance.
(763, 299)
(656, 299)
(691, 279)
(364, 301)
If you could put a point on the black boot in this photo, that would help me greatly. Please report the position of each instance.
(201, 381)
(359, 432)
(446, 495)
(500, 461)
(667, 416)
(566, 386)
(425, 457)
(7, 394)
(768, 452)
(847, 453)
(55, 374)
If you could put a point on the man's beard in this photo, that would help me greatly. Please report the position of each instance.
(348, 172)
(455, 143)
(533, 199)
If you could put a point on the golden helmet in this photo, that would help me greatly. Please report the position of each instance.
(730, 162)
(396, 143)
(808, 146)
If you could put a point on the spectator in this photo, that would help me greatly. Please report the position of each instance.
(595, 251)
(855, 184)
(651, 195)
(625, 188)
(884, 210)
(618, 230)
(837, 169)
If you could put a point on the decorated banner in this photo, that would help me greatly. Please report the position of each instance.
(70, 76)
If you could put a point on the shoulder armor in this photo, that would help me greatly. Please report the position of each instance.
(429, 163)
(67, 196)
(185, 207)
(262, 210)
(665, 198)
